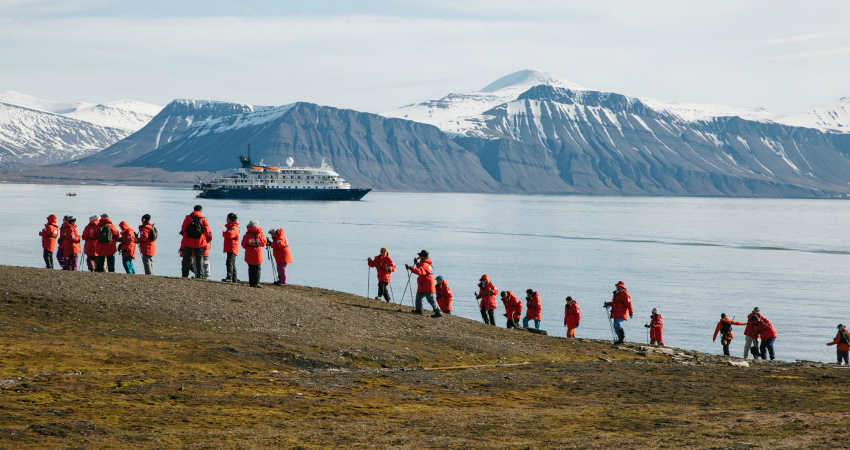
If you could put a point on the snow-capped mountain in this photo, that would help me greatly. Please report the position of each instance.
(38, 131)
(834, 117)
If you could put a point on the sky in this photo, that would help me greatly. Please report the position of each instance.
(784, 56)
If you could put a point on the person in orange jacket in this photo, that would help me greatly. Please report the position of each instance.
(768, 336)
(572, 316)
(231, 246)
(533, 308)
(842, 338)
(282, 254)
(513, 308)
(656, 328)
(106, 244)
(385, 267)
(127, 247)
(253, 243)
(444, 295)
(425, 287)
(196, 234)
(751, 334)
(487, 296)
(147, 243)
(71, 242)
(60, 247)
(49, 234)
(724, 327)
(90, 237)
(620, 304)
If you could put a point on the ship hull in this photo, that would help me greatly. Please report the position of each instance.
(285, 194)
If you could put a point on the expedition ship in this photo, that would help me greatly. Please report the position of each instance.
(262, 182)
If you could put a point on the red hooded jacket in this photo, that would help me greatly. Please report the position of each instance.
(621, 305)
(231, 237)
(206, 233)
(128, 241)
(444, 295)
(146, 245)
(766, 329)
(842, 345)
(111, 247)
(70, 239)
(253, 243)
(385, 267)
(572, 315)
(49, 233)
(425, 279)
(535, 306)
(280, 246)
(513, 306)
(486, 293)
(656, 328)
(90, 236)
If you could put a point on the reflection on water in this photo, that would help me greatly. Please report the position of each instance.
(692, 258)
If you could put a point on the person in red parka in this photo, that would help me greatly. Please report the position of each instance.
(620, 304)
(425, 288)
(533, 310)
(253, 243)
(49, 234)
(147, 243)
(487, 296)
(385, 267)
(127, 247)
(724, 327)
(106, 244)
(572, 317)
(90, 237)
(513, 308)
(282, 254)
(60, 247)
(231, 246)
(196, 234)
(71, 242)
(768, 336)
(751, 334)
(842, 338)
(444, 295)
(656, 328)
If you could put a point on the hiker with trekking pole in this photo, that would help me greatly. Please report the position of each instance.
(384, 267)
(842, 338)
(620, 304)
(487, 296)
(425, 288)
(282, 255)
(655, 329)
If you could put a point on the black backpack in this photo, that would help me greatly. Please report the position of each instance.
(104, 234)
(195, 230)
(153, 234)
(845, 337)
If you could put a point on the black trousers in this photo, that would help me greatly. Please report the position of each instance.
(48, 259)
(726, 343)
(254, 272)
(383, 291)
(843, 354)
(107, 261)
(231, 267)
(491, 320)
(198, 255)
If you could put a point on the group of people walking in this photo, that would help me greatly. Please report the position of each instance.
(758, 329)
(100, 241)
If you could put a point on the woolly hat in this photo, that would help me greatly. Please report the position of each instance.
(620, 284)
(104, 216)
(439, 277)
(723, 315)
(72, 219)
(529, 291)
(569, 298)
(654, 310)
(94, 217)
(146, 218)
(253, 223)
(840, 326)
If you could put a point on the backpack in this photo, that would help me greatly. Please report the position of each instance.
(195, 230)
(153, 234)
(845, 337)
(104, 234)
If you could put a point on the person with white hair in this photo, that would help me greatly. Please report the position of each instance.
(656, 328)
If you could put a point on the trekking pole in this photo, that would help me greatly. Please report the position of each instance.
(409, 273)
(611, 324)
(647, 336)
(271, 260)
(392, 294)
(369, 283)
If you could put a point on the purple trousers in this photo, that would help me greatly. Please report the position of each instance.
(281, 272)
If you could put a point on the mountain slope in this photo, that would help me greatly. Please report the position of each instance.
(834, 117)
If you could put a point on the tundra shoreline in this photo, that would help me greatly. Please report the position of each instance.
(119, 361)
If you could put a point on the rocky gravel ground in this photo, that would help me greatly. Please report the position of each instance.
(131, 361)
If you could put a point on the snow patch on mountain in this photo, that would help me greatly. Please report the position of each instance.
(128, 114)
(695, 112)
(834, 117)
(255, 118)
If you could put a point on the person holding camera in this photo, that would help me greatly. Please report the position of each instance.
(282, 254)
(253, 242)
(444, 295)
(572, 317)
(424, 283)
(127, 247)
(147, 243)
(385, 267)
(487, 296)
(196, 234)
(620, 304)
(656, 328)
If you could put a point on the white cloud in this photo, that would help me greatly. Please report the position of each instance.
(803, 38)
(806, 55)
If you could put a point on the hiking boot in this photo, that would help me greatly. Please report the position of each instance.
(417, 311)
(378, 298)
(436, 315)
(260, 286)
(622, 337)
(277, 283)
(226, 280)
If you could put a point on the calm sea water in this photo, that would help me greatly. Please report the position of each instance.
(692, 258)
